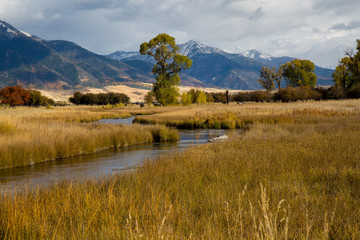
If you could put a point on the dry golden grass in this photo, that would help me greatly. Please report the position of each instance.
(240, 116)
(29, 136)
(296, 179)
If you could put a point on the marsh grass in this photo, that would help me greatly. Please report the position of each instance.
(220, 116)
(29, 136)
(296, 179)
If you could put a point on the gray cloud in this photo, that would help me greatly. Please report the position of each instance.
(311, 29)
(343, 26)
(257, 14)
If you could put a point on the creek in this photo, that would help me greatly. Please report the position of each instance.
(98, 164)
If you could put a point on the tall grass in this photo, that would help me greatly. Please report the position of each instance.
(242, 116)
(29, 136)
(291, 180)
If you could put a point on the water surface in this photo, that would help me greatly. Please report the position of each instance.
(98, 164)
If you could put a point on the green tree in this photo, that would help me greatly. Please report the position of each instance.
(347, 73)
(36, 99)
(299, 73)
(186, 98)
(168, 64)
(149, 97)
(267, 78)
(200, 97)
(279, 76)
(342, 74)
(76, 98)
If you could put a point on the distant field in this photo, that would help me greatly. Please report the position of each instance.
(294, 173)
(136, 94)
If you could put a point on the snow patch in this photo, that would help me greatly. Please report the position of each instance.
(25, 33)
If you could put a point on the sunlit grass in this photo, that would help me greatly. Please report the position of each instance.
(293, 179)
(242, 115)
(29, 136)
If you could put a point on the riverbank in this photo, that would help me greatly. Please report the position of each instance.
(29, 136)
(242, 116)
(298, 179)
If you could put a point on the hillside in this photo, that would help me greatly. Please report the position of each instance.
(222, 68)
(34, 62)
(62, 65)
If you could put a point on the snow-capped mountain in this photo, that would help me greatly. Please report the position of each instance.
(189, 49)
(255, 54)
(31, 61)
(234, 69)
(9, 32)
(120, 55)
(194, 47)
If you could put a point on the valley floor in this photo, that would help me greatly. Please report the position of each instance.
(293, 173)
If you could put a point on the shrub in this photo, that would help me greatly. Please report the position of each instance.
(255, 96)
(241, 97)
(354, 92)
(14, 96)
(260, 96)
(290, 94)
(99, 99)
(335, 92)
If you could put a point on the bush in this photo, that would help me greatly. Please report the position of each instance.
(335, 92)
(260, 96)
(241, 97)
(17, 95)
(99, 99)
(255, 96)
(354, 92)
(217, 97)
(291, 94)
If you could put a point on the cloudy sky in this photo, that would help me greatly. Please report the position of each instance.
(318, 30)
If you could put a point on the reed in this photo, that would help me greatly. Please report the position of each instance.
(30, 136)
(296, 179)
(242, 116)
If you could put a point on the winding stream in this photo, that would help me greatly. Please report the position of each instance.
(98, 164)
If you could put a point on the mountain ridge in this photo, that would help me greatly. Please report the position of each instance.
(59, 64)
(226, 69)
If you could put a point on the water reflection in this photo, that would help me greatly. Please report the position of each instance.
(98, 164)
(126, 121)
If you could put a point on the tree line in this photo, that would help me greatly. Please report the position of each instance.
(300, 73)
(297, 73)
(19, 96)
(193, 96)
(79, 98)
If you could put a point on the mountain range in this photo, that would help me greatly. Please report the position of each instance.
(221, 68)
(59, 65)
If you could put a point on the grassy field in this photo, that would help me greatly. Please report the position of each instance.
(242, 115)
(29, 136)
(294, 174)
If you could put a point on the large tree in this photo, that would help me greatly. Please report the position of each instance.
(168, 64)
(342, 75)
(267, 78)
(299, 73)
(347, 73)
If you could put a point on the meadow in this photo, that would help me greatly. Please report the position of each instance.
(294, 173)
(33, 135)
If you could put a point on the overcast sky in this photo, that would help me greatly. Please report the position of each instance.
(318, 30)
